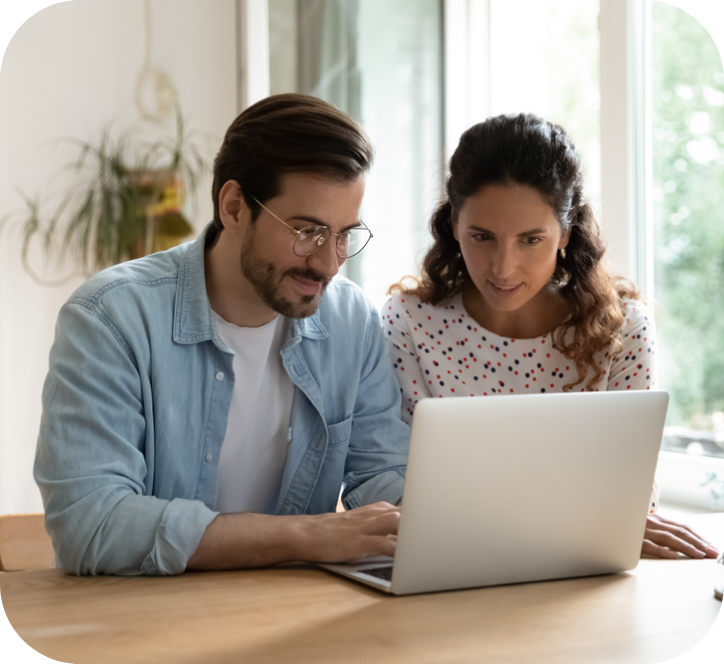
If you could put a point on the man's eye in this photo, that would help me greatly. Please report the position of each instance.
(309, 232)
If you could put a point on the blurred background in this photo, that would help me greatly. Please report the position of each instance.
(145, 89)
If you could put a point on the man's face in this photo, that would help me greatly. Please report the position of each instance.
(286, 283)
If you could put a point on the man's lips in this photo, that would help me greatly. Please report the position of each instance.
(308, 284)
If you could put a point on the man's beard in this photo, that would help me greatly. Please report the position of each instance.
(266, 280)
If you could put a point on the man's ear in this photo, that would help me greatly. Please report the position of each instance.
(233, 210)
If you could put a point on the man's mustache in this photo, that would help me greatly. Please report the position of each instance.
(305, 274)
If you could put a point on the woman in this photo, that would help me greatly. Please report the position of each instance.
(514, 297)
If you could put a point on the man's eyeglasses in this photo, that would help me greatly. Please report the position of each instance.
(312, 238)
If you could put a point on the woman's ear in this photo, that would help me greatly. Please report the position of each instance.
(563, 243)
(454, 224)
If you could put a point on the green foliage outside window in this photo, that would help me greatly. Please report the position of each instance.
(688, 163)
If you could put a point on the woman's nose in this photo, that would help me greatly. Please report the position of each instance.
(503, 262)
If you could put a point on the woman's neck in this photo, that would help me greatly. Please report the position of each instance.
(541, 315)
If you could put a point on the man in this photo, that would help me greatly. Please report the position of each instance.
(204, 405)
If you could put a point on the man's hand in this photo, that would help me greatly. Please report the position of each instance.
(236, 541)
(664, 538)
(338, 537)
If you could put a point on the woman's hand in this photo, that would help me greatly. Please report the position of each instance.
(664, 538)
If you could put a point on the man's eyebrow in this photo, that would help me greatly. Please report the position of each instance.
(318, 222)
(535, 231)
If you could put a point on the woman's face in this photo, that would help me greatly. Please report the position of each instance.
(509, 237)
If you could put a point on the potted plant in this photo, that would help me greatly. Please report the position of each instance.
(125, 201)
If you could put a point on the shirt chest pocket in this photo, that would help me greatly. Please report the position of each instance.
(339, 434)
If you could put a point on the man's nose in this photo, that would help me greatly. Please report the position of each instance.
(325, 261)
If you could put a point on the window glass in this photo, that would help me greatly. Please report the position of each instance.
(545, 60)
(688, 174)
(381, 62)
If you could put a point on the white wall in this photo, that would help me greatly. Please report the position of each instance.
(67, 72)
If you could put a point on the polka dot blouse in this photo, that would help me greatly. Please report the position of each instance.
(440, 351)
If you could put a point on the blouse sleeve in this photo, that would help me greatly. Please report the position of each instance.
(396, 321)
(634, 367)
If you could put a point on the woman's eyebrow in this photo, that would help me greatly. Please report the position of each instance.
(535, 231)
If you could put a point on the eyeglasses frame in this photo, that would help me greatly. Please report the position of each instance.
(299, 232)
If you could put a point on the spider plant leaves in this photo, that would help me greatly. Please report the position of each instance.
(103, 216)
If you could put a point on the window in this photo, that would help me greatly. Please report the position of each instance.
(650, 128)
(544, 59)
(688, 227)
(382, 63)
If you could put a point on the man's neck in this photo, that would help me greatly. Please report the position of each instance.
(231, 296)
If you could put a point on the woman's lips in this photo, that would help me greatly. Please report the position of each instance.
(502, 290)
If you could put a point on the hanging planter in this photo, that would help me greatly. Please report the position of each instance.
(123, 204)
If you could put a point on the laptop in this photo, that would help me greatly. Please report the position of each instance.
(513, 489)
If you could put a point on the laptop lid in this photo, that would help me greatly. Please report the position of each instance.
(509, 489)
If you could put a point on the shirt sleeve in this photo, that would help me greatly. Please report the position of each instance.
(396, 321)
(635, 366)
(90, 460)
(380, 442)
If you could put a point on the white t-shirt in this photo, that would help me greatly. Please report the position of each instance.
(255, 447)
(440, 351)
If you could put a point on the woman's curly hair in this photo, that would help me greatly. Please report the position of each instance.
(526, 150)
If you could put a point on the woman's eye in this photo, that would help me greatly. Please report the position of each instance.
(532, 241)
(481, 237)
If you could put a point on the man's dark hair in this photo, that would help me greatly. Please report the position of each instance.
(282, 134)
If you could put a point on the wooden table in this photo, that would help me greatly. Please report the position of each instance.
(302, 614)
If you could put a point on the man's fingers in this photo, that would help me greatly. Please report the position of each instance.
(383, 546)
(384, 524)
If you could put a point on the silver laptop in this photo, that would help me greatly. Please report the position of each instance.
(511, 489)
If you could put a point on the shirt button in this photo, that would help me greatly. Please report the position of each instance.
(210, 456)
(220, 375)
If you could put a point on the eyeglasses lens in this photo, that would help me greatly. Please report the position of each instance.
(349, 243)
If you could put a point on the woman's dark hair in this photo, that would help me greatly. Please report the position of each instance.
(527, 150)
(284, 134)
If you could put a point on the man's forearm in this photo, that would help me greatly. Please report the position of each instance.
(236, 541)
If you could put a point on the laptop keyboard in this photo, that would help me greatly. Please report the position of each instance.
(384, 573)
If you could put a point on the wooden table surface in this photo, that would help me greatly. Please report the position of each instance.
(302, 614)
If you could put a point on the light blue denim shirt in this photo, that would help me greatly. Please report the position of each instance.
(136, 402)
